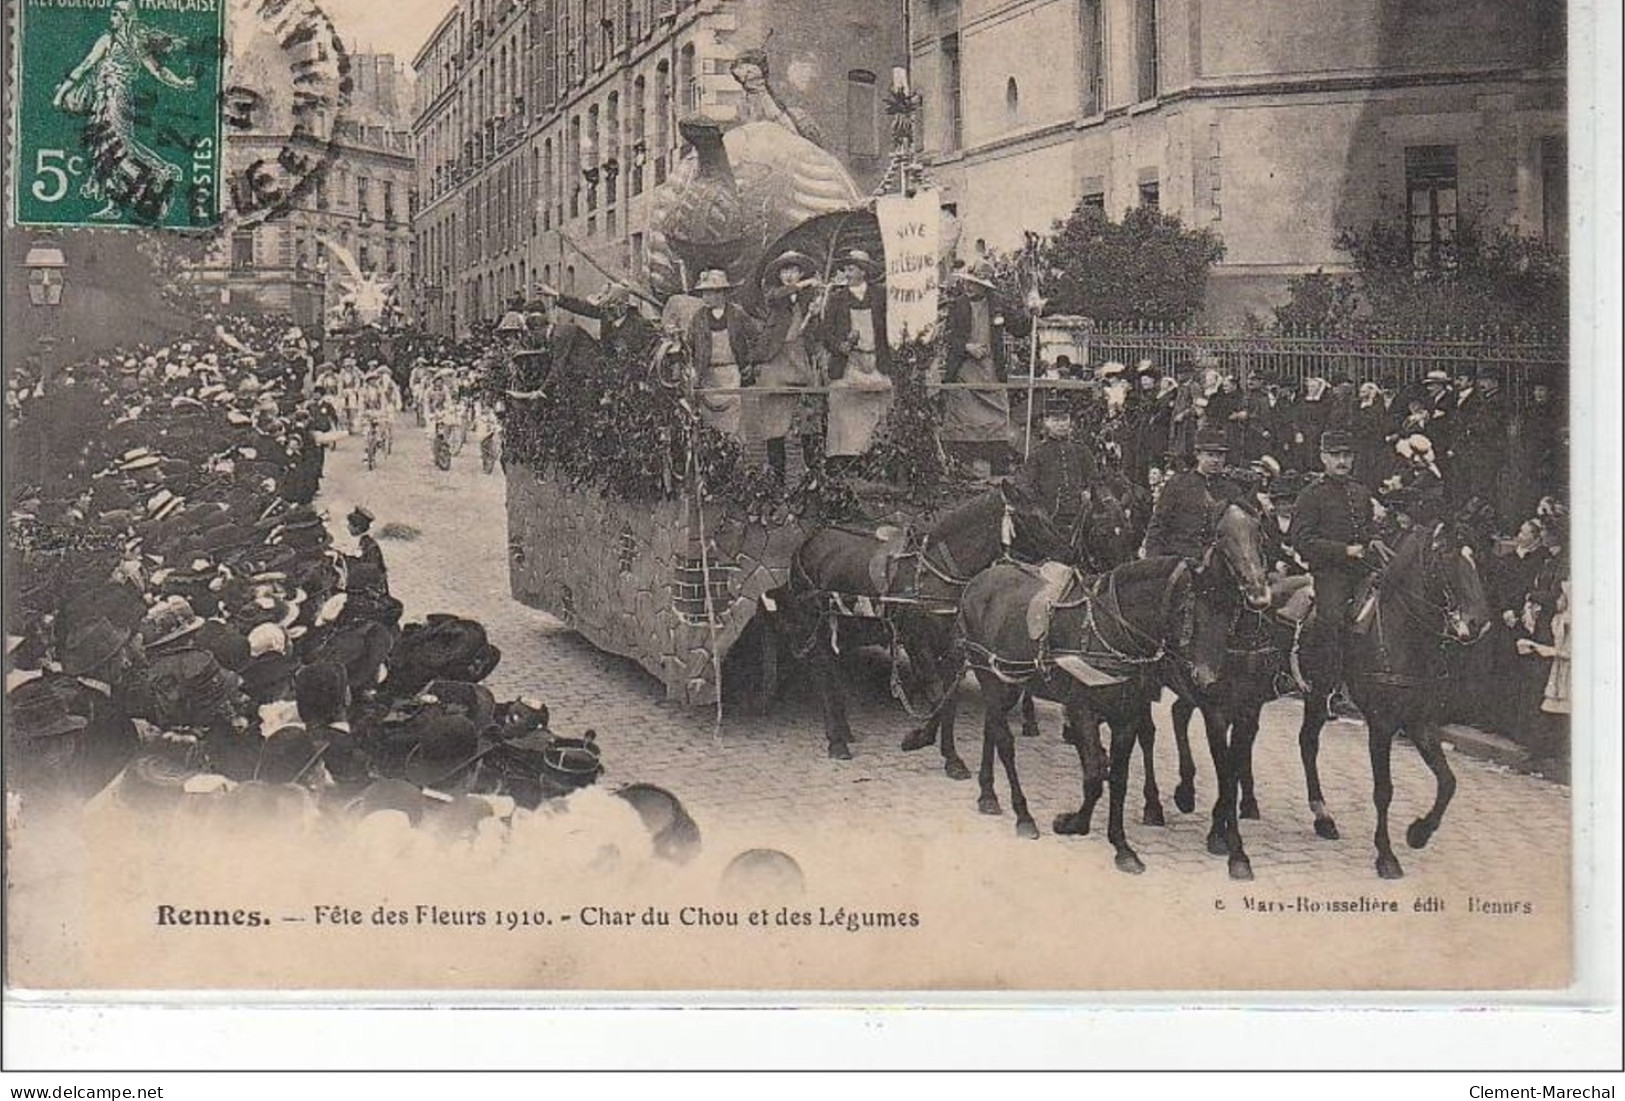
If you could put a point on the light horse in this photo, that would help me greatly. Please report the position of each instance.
(912, 585)
(1093, 645)
(1428, 600)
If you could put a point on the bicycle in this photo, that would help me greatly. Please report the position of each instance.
(442, 447)
(372, 444)
(490, 451)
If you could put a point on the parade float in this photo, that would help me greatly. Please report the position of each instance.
(658, 537)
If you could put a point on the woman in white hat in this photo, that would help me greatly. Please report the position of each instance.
(720, 337)
(1417, 491)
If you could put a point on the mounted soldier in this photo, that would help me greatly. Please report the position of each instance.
(1061, 470)
(1333, 525)
(1181, 523)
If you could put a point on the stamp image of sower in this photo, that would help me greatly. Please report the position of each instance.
(117, 114)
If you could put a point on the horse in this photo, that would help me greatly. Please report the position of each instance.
(1428, 598)
(1258, 644)
(1235, 647)
(1099, 538)
(915, 585)
(1107, 537)
(1093, 645)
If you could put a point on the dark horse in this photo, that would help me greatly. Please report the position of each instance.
(1107, 536)
(1093, 645)
(1428, 598)
(915, 585)
(1099, 538)
(1258, 645)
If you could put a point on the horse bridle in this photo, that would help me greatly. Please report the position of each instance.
(1448, 610)
(1205, 570)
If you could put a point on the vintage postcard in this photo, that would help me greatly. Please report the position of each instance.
(792, 495)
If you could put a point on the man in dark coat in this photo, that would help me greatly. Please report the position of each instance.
(624, 336)
(1544, 428)
(1259, 418)
(1332, 523)
(1153, 422)
(553, 344)
(1182, 521)
(1061, 470)
(1481, 440)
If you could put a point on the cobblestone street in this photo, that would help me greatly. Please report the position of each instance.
(767, 782)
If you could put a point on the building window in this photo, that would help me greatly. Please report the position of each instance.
(546, 198)
(688, 82)
(389, 203)
(242, 250)
(862, 114)
(612, 144)
(1146, 48)
(1431, 189)
(1554, 190)
(953, 115)
(637, 256)
(590, 153)
(361, 197)
(1012, 100)
(1093, 36)
(574, 160)
(364, 256)
(663, 106)
(1150, 195)
(640, 134)
(1095, 200)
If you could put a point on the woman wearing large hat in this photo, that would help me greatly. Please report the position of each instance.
(719, 340)
(783, 358)
(854, 335)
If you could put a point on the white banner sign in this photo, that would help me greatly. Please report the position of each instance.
(911, 229)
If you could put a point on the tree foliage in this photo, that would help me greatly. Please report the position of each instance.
(1490, 278)
(1147, 268)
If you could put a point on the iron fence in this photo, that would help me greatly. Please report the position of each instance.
(1521, 357)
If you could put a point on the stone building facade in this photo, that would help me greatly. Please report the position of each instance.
(363, 201)
(543, 127)
(1273, 122)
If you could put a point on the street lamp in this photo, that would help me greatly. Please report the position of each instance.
(47, 277)
(47, 270)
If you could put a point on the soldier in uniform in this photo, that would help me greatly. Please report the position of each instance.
(1062, 469)
(1182, 522)
(1334, 521)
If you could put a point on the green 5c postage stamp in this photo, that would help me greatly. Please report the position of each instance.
(117, 119)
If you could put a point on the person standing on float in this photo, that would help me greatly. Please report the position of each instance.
(976, 423)
(719, 340)
(783, 357)
(854, 335)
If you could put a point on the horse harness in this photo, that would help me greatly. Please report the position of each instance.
(1098, 662)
